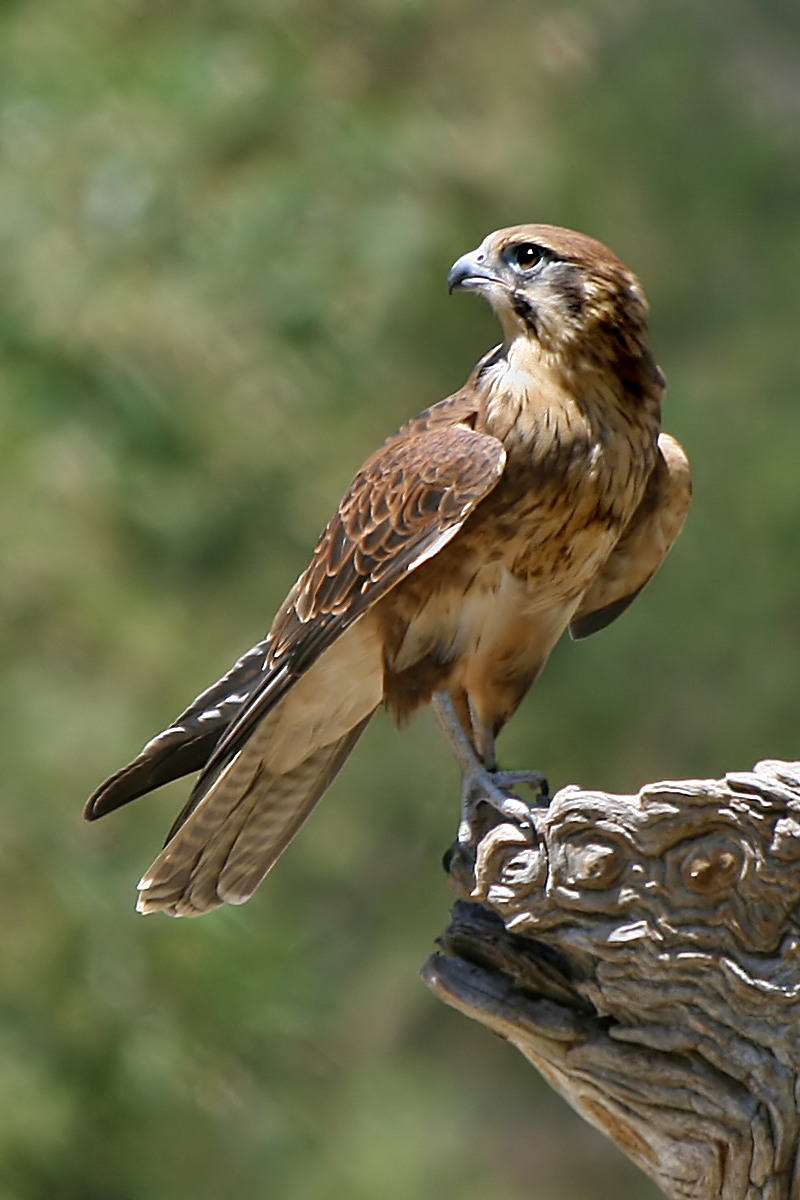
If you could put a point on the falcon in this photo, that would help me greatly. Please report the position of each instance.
(541, 496)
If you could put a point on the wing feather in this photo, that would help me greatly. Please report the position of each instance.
(643, 545)
(187, 744)
(459, 465)
(408, 500)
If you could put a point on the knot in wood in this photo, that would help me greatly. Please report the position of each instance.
(702, 865)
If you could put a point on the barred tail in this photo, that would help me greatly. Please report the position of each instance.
(237, 832)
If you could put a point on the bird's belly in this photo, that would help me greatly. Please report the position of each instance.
(482, 616)
(456, 619)
(486, 637)
(500, 588)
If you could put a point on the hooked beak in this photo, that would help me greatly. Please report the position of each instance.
(470, 272)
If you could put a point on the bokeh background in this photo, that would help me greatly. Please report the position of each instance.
(224, 234)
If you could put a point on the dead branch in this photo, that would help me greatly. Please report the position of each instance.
(643, 952)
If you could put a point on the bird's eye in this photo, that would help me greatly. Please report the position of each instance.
(525, 255)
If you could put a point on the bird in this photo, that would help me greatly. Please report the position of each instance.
(542, 496)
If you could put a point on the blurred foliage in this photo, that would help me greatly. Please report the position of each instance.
(224, 232)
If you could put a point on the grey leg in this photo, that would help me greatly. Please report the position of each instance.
(479, 782)
(484, 739)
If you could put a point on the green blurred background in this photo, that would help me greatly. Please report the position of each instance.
(224, 234)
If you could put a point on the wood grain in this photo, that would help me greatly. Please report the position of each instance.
(643, 952)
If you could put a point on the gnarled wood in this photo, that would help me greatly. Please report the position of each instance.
(643, 952)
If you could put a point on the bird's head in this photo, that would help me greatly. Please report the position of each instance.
(563, 289)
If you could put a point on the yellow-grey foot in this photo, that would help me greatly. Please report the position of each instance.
(481, 786)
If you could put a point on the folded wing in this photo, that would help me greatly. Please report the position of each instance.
(272, 734)
(643, 545)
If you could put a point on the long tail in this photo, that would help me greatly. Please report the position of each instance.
(229, 842)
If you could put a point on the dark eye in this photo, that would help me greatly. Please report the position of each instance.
(524, 256)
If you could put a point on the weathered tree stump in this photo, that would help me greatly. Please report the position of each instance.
(643, 952)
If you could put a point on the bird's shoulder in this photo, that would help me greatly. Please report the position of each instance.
(464, 408)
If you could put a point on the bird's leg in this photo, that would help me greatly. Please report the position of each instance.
(481, 781)
(483, 737)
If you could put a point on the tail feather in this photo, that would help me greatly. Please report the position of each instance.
(242, 825)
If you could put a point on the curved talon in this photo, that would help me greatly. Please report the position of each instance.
(486, 787)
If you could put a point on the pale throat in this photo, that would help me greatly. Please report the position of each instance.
(526, 387)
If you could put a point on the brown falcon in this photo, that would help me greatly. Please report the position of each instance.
(540, 496)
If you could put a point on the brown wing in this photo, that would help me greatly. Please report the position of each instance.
(277, 760)
(644, 544)
(407, 501)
